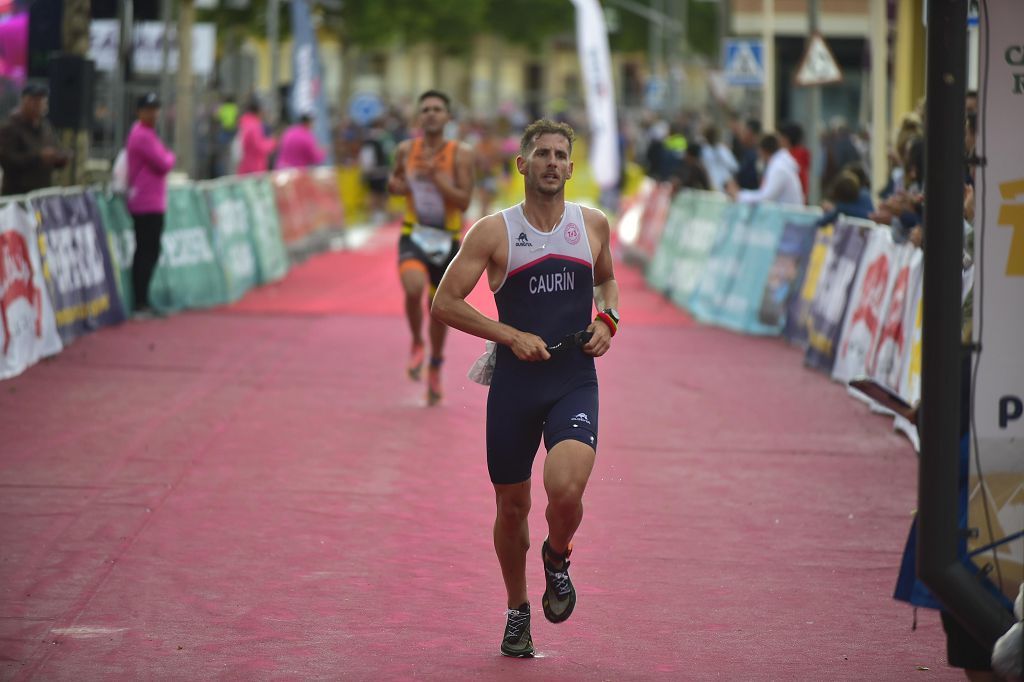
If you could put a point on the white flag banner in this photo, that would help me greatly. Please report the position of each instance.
(28, 328)
(997, 496)
(596, 65)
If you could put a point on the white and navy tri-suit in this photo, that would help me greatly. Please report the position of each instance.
(548, 290)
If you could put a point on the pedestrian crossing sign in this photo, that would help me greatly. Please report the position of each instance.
(744, 62)
(818, 67)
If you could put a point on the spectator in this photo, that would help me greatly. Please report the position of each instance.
(28, 148)
(781, 177)
(846, 197)
(748, 176)
(149, 163)
(791, 136)
(690, 173)
(256, 146)
(718, 159)
(299, 148)
(839, 150)
(374, 162)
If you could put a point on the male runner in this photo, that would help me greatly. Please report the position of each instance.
(546, 261)
(436, 177)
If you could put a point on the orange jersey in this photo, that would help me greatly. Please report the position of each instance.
(424, 204)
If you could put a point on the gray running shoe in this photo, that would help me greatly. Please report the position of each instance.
(559, 595)
(517, 641)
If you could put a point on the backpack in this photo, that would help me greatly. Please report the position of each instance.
(119, 172)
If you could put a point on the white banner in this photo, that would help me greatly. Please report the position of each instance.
(866, 307)
(28, 328)
(148, 54)
(595, 63)
(999, 238)
(998, 409)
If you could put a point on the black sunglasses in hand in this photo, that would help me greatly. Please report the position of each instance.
(576, 340)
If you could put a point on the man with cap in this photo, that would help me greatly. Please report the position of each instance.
(28, 148)
(149, 163)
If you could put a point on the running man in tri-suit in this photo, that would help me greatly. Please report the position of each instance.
(548, 262)
(436, 177)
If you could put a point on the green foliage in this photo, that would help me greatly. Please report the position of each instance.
(451, 25)
(529, 22)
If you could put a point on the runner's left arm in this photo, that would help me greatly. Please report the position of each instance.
(606, 289)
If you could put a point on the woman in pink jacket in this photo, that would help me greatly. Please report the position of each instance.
(256, 145)
(149, 163)
(299, 148)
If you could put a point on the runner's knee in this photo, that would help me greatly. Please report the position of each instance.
(513, 509)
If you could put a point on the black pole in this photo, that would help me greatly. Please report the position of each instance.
(938, 564)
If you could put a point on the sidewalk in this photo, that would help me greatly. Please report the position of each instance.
(257, 492)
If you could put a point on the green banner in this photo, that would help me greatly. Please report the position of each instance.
(662, 262)
(232, 240)
(117, 223)
(188, 274)
(695, 242)
(271, 257)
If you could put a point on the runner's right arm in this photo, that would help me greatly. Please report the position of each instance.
(450, 306)
(397, 183)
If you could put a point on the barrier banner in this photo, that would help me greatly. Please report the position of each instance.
(799, 306)
(187, 274)
(231, 236)
(660, 267)
(771, 261)
(695, 242)
(121, 239)
(28, 328)
(652, 220)
(77, 266)
(257, 195)
(996, 505)
(828, 309)
(325, 197)
(296, 218)
(884, 364)
(865, 307)
(724, 259)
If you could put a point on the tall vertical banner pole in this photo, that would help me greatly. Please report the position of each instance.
(596, 65)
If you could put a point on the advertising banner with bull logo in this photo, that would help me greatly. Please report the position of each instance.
(28, 329)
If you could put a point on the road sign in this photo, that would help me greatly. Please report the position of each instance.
(818, 67)
(365, 108)
(744, 62)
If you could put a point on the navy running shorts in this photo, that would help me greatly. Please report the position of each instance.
(525, 405)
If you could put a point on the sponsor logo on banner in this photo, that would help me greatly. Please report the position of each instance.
(184, 247)
(17, 281)
(77, 265)
(28, 330)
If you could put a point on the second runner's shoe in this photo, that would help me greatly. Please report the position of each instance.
(416, 361)
(434, 381)
(559, 595)
(517, 641)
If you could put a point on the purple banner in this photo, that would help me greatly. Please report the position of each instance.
(825, 322)
(785, 276)
(77, 265)
(798, 308)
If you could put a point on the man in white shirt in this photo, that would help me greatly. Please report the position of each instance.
(781, 180)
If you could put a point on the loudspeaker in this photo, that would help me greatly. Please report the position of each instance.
(44, 33)
(72, 91)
